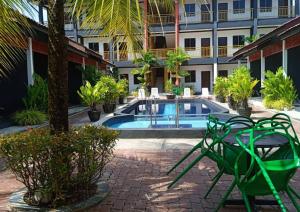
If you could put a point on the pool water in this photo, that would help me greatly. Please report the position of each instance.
(169, 109)
(161, 123)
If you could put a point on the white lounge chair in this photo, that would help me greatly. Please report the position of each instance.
(187, 107)
(187, 92)
(141, 94)
(154, 93)
(205, 93)
(142, 108)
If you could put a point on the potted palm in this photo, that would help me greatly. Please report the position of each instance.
(221, 89)
(91, 96)
(241, 88)
(122, 87)
(108, 85)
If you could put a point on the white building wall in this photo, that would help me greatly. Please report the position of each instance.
(271, 14)
(96, 39)
(132, 86)
(264, 30)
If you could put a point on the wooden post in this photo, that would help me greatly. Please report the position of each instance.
(176, 24)
(146, 25)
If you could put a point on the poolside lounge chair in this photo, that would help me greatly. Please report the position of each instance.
(187, 93)
(154, 93)
(141, 94)
(187, 107)
(205, 93)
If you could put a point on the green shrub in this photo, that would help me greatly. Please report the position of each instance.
(29, 117)
(90, 95)
(91, 74)
(109, 89)
(241, 85)
(122, 87)
(278, 90)
(58, 169)
(37, 95)
(221, 87)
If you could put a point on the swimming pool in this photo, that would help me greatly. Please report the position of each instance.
(164, 118)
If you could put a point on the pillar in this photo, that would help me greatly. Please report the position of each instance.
(176, 23)
(297, 7)
(262, 67)
(284, 58)
(215, 39)
(239, 63)
(248, 62)
(146, 35)
(254, 16)
(29, 55)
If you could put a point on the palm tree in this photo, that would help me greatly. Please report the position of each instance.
(146, 62)
(57, 68)
(13, 25)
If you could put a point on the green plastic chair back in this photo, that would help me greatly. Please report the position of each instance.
(273, 173)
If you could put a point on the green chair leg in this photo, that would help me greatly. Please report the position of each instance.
(233, 184)
(247, 203)
(185, 170)
(215, 180)
(290, 194)
(294, 192)
(186, 156)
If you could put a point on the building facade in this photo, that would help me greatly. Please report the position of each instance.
(209, 31)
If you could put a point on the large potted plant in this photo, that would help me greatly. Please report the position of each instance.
(91, 96)
(122, 87)
(241, 88)
(169, 89)
(108, 85)
(221, 89)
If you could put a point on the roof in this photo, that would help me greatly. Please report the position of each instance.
(72, 45)
(286, 30)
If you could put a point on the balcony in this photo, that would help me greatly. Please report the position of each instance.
(162, 19)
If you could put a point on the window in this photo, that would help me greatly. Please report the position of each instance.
(190, 44)
(238, 41)
(94, 46)
(223, 73)
(189, 9)
(205, 47)
(265, 5)
(136, 81)
(222, 46)
(190, 78)
(124, 76)
(106, 51)
(205, 13)
(222, 11)
(238, 6)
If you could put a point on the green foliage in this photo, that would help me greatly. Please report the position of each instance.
(109, 89)
(91, 95)
(29, 117)
(178, 91)
(58, 169)
(251, 39)
(169, 86)
(122, 87)
(174, 61)
(241, 84)
(37, 95)
(278, 90)
(91, 74)
(146, 62)
(221, 87)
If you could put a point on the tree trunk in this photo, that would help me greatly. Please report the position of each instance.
(57, 68)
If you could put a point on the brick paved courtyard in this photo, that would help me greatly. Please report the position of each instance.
(138, 181)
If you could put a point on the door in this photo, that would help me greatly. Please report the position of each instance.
(123, 54)
(283, 8)
(222, 46)
(205, 79)
(223, 11)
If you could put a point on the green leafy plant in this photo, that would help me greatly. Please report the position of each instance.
(221, 88)
(122, 87)
(109, 89)
(91, 74)
(37, 95)
(174, 61)
(145, 63)
(278, 90)
(29, 117)
(250, 39)
(58, 169)
(241, 85)
(91, 95)
(169, 86)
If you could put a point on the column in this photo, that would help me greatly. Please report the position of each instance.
(284, 58)
(176, 24)
(248, 62)
(262, 67)
(146, 35)
(75, 29)
(239, 63)
(254, 16)
(297, 7)
(29, 55)
(215, 39)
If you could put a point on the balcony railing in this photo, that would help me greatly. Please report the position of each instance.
(283, 11)
(223, 15)
(200, 52)
(162, 19)
(205, 17)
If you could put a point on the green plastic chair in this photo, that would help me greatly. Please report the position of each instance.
(265, 175)
(220, 152)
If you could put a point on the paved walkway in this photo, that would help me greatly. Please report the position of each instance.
(138, 182)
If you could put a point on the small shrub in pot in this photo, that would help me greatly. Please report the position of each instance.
(110, 94)
(122, 87)
(221, 89)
